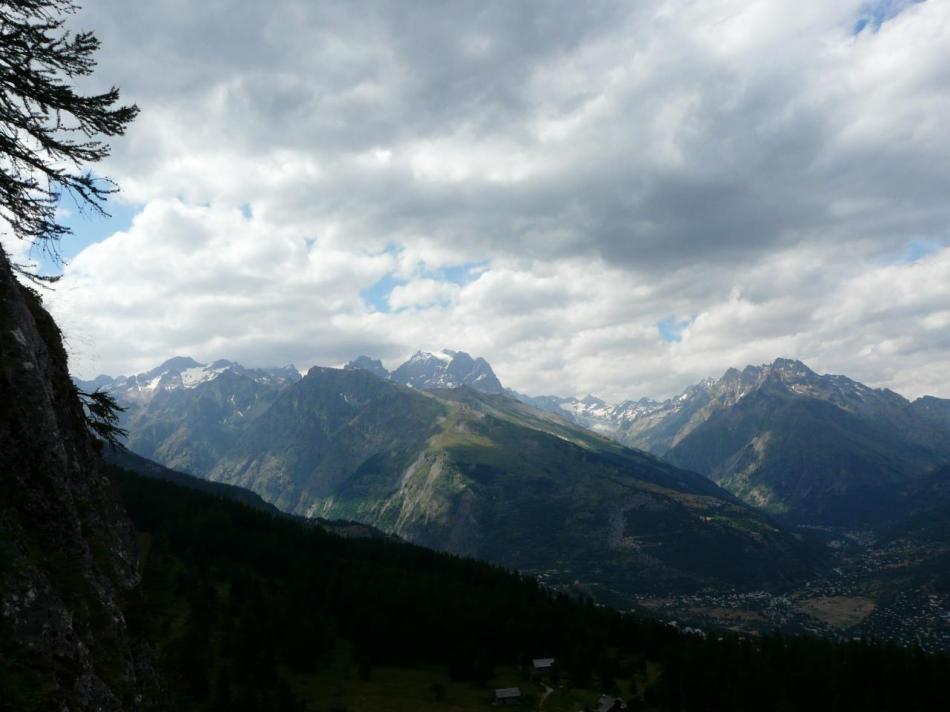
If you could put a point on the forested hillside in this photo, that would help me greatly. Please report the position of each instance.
(251, 611)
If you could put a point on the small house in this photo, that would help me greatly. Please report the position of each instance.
(507, 696)
(542, 666)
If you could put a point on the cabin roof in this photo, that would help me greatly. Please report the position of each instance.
(504, 693)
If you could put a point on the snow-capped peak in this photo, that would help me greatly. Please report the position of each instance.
(447, 369)
(182, 372)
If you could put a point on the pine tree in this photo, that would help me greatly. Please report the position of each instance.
(49, 132)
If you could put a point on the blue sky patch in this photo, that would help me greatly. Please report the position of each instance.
(377, 294)
(874, 14)
(918, 249)
(88, 227)
(672, 327)
(457, 274)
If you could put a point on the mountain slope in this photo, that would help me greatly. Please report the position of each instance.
(935, 411)
(803, 458)
(190, 429)
(185, 414)
(124, 461)
(128, 461)
(484, 475)
(331, 426)
(929, 517)
(818, 449)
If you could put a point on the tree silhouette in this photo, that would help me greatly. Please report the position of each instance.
(49, 131)
(102, 417)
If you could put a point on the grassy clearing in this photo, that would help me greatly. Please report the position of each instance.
(839, 611)
(396, 690)
(423, 690)
(341, 686)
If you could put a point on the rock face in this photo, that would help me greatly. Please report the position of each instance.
(434, 370)
(68, 560)
(373, 365)
(447, 369)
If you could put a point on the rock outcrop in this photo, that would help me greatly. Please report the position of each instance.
(68, 559)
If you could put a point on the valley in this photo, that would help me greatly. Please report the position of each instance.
(437, 452)
(369, 624)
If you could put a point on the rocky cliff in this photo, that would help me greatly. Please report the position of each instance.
(68, 564)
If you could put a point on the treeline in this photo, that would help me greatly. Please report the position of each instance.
(235, 599)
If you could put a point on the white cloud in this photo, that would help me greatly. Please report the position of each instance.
(748, 167)
(203, 281)
(422, 293)
(20, 252)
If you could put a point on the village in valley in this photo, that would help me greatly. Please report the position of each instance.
(888, 591)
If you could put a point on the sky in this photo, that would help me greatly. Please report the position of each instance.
(610, 197)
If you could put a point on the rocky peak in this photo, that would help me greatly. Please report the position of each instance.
(732, 375)
(792, 367)
(934, 410)
(176, 364)
(184, 372)
(447, 369)
(374, 366)
(734, 384)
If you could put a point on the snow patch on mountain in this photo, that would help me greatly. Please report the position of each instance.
(183, 372)
(430, 370)
(657, 426)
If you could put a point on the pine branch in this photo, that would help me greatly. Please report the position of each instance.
(48, 131)
(102, 417)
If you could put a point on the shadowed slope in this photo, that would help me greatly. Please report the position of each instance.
(487, 476)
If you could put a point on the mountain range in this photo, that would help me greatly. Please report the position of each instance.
(439, 369)
(816, 449)
(437, 451)
(184, 414)
(463, 470)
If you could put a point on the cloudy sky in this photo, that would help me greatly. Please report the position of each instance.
(618, 198)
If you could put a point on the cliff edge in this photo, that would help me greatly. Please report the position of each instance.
(68, 562)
